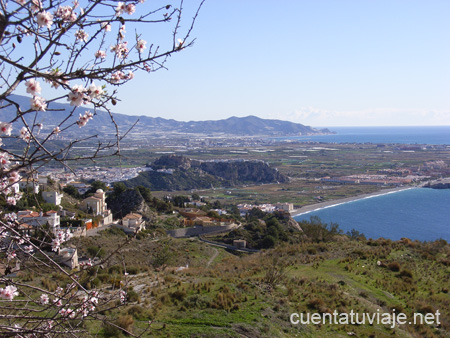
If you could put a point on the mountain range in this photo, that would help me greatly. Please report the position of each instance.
(101, 123)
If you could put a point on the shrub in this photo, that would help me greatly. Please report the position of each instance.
(394, 266)
(132, 296)
(178, 295)
(315, 303)
(94, 251)
(138, 312)
(406, 273)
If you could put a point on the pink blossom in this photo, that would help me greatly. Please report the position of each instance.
(38, 103)
(58, 302)
(120, 8)
(55, 244)
(8, 292)
(11, 255)
(106, 26)
(5, 128)
(4, 160)
(130, 75)
(44, 19)
(66, 13)
(11, 200)
(56, 130)
(24, 134)
(67, 313)
(95, 91)
(100, 54)
(130, 9)
(116, 77)
(141, 45)
(44, 299)
(120, 49)
(81, 35)
(36, 5)
(77, 97)
(14, 177)
(84, 118)
(33, 87)
(20, 2)
(123, 296)
(11, 217)
(28, 249)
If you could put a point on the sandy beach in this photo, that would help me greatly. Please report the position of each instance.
(313, 207)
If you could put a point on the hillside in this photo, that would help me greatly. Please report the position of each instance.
(171, 172)
(243, 126)
(226, 295)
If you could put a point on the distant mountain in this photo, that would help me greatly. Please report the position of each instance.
(239, 126)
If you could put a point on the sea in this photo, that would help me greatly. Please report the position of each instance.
(417, 213)
(403, 135)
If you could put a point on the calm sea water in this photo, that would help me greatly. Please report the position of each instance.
(405, 135)
(418, 213)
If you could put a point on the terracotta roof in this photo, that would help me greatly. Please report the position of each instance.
(132, 216)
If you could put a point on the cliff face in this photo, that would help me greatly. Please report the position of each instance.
(128, 201)
(244, 172)
(438, 186)
(193, 174)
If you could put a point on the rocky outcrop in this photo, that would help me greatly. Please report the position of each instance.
(438, 186)
(128, 201)
(174, 172)
(292, 223)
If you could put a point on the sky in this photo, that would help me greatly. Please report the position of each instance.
(317, 62)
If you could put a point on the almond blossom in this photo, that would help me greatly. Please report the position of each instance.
(77, 97)
(120, 8)
(44, 299)
(13, 177)
(4, 160)
(44, 19)
(95, 91)
(56, 130)
(120, 49)
(141, 45)
(36, 5)
(5, 128)
(106, 26)
(24, 134)
(38, 103)
(33, 87)
(66, 14)
(84, 118)
(130, 8)
(100, 54)
(81, 35)
(8, 292)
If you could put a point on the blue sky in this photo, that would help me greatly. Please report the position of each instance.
(316, 62)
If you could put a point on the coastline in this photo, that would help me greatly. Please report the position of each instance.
(329, 204)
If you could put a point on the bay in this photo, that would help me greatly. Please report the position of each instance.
(433, 135)
(418, 213)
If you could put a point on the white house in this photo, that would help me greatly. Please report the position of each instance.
(29, 183)
(96, 205)
(52, 197)
(133, 221)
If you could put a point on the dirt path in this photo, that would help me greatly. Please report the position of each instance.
(213, 257)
